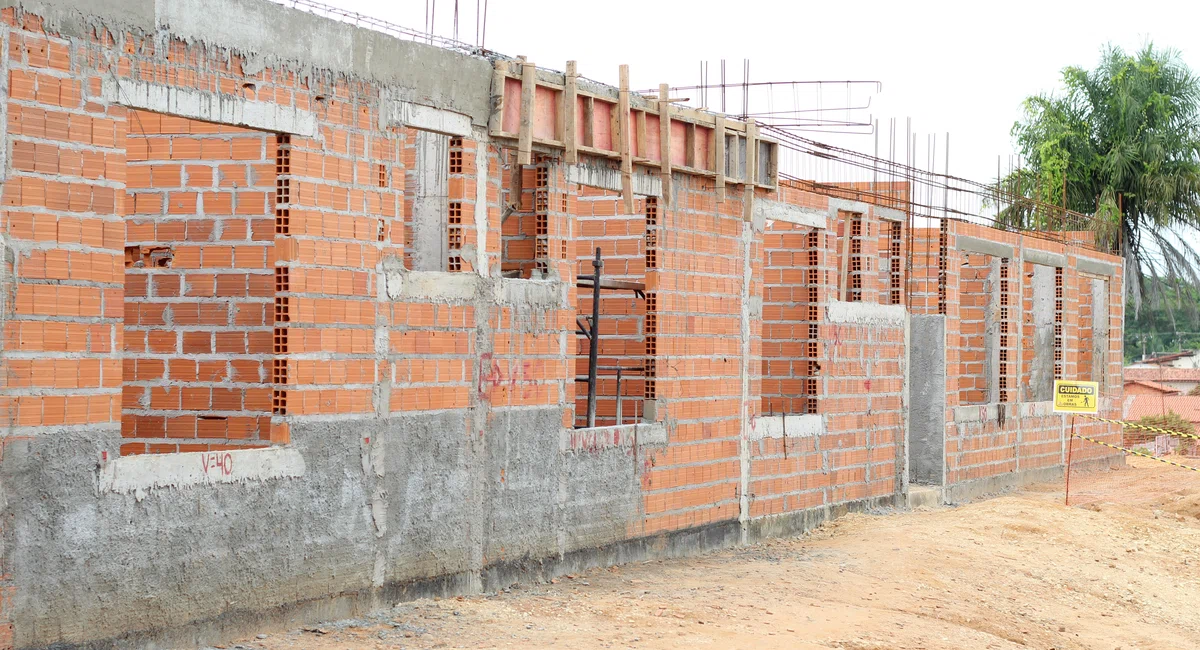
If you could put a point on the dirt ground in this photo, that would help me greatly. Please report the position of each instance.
(1018, 571)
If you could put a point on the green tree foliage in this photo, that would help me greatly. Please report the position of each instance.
(1122, 142)
(1170, 322)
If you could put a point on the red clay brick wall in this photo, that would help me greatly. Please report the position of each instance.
(431, 356)
(199, 284)
(342, 217)
(1025, 437)
(337, 350)
(864, 408)
(63, 226)
(860, 385)
(697, 287)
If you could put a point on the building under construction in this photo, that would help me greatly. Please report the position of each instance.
(302, 318)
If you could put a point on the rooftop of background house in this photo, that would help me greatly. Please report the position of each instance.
(1163, 388)
(1140, 406)
(1159, 374)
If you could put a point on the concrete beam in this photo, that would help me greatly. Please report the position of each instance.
(791, 426)
(71, 19)
(595, 174)
(847, 206)
(209, 107)
(1045, 258)
(865, 313)
(269, 34)
(1097, 267)
(426, 118)
(402, 285)
(888, 214)
(779, 211)
(984, 246)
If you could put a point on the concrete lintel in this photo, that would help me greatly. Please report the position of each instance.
(976, 413)
(615, 437)
(1097, 267)
(794, 426)
(209, 107)
(142, 473)
(847, 206)
(985, 412)
(424, 286)
(888, 214)
(548, 294)
(984, 246)
(1045, 258)
(865, 313)
(595, 174)
(401, 285)
(427, 118)
(780, 211)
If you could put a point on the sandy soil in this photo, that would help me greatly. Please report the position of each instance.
(1120, 572)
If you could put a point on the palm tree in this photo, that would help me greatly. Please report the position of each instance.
(1123, 143)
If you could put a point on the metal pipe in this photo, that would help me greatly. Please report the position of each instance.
(594, 349)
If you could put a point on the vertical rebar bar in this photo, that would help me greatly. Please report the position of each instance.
(946, 198)
(594, 348)
(619, 418)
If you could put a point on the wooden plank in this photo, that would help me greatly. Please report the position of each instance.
(614, 125)
(589, 121)
(496, 117)
(525, 136)
(751, 152)
(605, 283)
(691, 145)
(664, 140)
(641, 135)
(773, 170)
(718, 155)
(751, 172)
(735, 160)
(569, 120)
(623, 141)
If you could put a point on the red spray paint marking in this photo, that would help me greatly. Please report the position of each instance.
(222, 463)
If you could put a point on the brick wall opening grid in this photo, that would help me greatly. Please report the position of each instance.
(627, 244)
(976, 288)
(794, 287)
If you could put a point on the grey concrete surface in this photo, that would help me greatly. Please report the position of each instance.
(1100, 333)
(424, 508)
(927, 394)
(1041, 378)
(430, 201)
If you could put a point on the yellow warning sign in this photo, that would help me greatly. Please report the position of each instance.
(1076, 396)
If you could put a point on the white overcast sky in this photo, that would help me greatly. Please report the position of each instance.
(961, 67)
